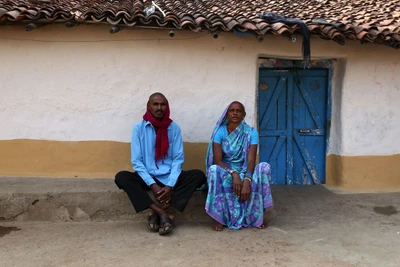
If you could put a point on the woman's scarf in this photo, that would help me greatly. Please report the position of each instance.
(161, 127)
(236, 145)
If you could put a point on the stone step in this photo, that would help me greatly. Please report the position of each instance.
(69, 199)
(84, 199)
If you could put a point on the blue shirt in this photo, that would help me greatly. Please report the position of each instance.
(222, 133)
(143, 154)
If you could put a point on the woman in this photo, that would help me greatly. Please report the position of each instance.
(238, 190)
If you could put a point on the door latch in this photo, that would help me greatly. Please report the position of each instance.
(304, 130)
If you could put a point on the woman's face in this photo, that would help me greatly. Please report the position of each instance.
(236, 113)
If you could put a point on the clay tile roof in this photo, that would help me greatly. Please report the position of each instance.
(376, 21)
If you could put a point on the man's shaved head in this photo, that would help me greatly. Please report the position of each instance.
(156, 94)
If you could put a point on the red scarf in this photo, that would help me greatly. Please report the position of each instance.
(161, 128)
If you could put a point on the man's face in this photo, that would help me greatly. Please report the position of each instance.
(157, 107)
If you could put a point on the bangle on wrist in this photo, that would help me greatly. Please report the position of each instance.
(230, 171)
(249, 174)
(247, 178)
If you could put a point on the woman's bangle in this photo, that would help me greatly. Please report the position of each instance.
(230, 171)
(247, 178)
(249, 174)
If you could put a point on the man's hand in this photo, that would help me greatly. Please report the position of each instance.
(246, 188)
(237, 184)
(155, 188)
(164, 195)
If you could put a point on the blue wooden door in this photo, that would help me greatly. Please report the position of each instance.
(292, 124)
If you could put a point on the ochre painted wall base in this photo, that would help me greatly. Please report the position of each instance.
(103, 159)
(363, 172)
(86, 159)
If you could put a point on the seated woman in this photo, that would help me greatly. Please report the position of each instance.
(238, 190)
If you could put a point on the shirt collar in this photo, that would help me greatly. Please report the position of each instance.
(148, 123)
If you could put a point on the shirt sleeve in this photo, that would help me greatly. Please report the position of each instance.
(177, 157)
(137, 157)
(254, 137)
(220, 135)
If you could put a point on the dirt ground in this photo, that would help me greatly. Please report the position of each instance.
(309, 228)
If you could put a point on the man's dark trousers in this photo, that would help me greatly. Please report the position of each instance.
(136, 188)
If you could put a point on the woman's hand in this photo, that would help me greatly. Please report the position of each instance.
(237, 184)
(246, 189)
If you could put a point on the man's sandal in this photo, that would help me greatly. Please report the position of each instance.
(166, 225)
(153, 222)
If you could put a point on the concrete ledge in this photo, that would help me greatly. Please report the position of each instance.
(68, 199)
(59, 199)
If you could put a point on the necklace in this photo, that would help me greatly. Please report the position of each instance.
(229, 129)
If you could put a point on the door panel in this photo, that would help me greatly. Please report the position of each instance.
(273, 120)
(292, 124)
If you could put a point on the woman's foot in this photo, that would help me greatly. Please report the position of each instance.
(263, 226)
(217, 227)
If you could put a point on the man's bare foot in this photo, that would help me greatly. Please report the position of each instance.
(217, 227)
(153, 222)
(263, 226)
(166, 224)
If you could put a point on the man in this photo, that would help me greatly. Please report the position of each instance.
(157, 158)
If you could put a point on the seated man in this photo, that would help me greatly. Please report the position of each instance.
(157, 158)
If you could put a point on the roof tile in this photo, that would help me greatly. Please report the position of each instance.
(363, 20)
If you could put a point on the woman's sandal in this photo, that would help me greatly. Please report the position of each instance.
(165, 229)
(153, 222)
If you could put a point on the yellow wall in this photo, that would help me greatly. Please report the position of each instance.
(102, 159)
(363, 172)
(97, 159)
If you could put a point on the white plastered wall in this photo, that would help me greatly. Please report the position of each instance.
(86, 84)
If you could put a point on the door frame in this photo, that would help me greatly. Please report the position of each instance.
(279, 63)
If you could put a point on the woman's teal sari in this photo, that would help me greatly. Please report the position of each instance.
(222, 204)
